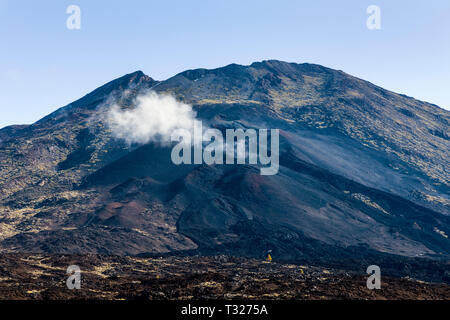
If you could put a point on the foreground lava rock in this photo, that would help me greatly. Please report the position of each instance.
(182, 278)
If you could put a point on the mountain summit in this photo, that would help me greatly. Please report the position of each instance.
(363, 172)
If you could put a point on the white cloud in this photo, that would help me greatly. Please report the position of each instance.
(152, 119)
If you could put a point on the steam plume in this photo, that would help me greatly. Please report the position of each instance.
(153, 119)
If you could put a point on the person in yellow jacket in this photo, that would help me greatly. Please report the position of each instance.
(269, 257)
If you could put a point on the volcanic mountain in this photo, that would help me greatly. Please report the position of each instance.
(363, 173)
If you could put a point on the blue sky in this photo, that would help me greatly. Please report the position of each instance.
(44, 65)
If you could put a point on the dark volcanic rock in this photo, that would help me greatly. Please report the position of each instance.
(36, 277)
(363, 174)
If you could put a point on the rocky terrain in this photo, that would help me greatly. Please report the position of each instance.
(363, 175)
(186, 278)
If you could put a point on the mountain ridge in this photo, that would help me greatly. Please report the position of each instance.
(141, 74)
(360, 167)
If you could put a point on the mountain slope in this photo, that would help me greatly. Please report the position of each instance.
(363, 171)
